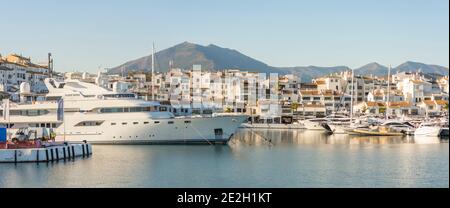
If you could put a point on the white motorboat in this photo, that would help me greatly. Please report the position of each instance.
(402, 126)
(315, 124)
(431, 129)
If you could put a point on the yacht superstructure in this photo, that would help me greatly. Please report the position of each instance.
(98, 115)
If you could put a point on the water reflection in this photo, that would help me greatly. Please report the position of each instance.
(261, 137)
(253, 158)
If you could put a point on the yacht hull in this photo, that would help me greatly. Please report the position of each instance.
(201, 130)
(432, 131)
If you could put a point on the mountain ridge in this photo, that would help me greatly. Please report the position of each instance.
(213, 57)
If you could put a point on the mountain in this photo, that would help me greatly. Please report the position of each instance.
(186, 54)
(409, 66)
(373, 68)
(307, 73)
(424, 68)
(213, 57)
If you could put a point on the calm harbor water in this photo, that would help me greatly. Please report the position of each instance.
(295, 158)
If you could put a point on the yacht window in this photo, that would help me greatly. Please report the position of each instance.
(136, 109)
(132, 109)
(146, 122)
(89, 123)
(113, 124)
(42, 124)
(170, 122)
(156, 122)
(66, 110)
(53, 98)
(135, 123)
(218, 132)
(28, 112)
(187, 121)
(124, 123)
(111, 110)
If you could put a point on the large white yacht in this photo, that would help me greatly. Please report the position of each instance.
(98, 115)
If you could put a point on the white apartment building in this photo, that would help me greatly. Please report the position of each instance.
(16, 69)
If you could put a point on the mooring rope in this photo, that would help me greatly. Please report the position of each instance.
(263, 137)
(201, 135)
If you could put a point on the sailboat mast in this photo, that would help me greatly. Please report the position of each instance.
(352, 92)
(153, 70)
(388, 91)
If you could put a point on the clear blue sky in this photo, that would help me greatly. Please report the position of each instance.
(86, 34)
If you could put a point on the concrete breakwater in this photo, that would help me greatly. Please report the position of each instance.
(45, 154)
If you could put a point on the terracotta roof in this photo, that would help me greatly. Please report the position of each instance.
(375, 104)
(400, 104)
(320, 82)
(441, 102)
(309, 92)
(429, 102)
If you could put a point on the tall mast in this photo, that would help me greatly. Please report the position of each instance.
(388, 91)
(352, 92)
(153, 70)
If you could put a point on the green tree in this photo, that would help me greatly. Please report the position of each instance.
(294, 105)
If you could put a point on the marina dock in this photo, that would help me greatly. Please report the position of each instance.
(46, 153)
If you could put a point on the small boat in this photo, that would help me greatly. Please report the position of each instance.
(380, 131)
(271, 123)
(333, 121)
(314, 124)
(431, 129)
(444, 130)
(401, 126)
